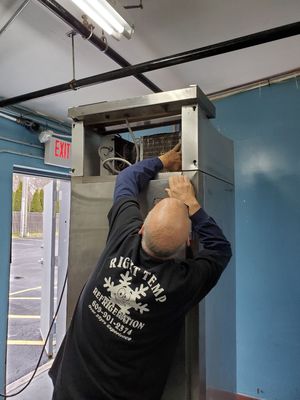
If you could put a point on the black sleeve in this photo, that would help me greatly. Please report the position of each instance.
(202, 272)
(124, 218)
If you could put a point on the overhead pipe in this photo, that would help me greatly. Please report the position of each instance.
(27, 123)
(84, 31)
(180, 58)
(14, 16)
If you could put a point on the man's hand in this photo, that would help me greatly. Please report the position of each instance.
(172, 159)
(182, 189)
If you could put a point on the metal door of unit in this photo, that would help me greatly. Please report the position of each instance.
(62, 259)
(87, 240)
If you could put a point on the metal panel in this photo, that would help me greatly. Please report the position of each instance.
(47, 300)
(91, 163)
(208, 151)
(88, 231)
(140, 108)
(186, 379)
(85, 157)
(62, 260)
(77, 148)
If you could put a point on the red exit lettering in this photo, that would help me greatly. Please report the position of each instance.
(62, 149)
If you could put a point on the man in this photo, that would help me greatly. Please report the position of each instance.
(129, 315)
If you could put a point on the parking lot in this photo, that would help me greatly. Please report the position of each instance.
(24, 342)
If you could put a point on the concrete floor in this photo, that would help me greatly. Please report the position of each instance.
(40, 387)
(24, 335)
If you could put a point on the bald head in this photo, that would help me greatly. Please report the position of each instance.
(166, 228)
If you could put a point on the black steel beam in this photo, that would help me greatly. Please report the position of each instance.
(180, 58)
(78, 27)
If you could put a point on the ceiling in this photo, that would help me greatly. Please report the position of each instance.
(35, 52)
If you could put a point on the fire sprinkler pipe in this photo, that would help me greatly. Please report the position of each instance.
(180, 58)
(78, 27)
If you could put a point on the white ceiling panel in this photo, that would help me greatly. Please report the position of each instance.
(35, 52)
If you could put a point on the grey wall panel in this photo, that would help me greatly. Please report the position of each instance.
(90, 204)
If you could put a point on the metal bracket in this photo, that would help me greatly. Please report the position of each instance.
(135, 6)
(88, 25)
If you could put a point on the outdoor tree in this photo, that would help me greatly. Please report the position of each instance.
(36, 202)
(57, 206)
(42, 198)
(17, 198)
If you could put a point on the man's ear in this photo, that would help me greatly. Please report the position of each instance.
(141, 231)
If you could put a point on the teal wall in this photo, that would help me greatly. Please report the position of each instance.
(265, 126)
(8, 159)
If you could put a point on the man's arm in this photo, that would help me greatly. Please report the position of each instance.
(206, 267)
(211, 236)
(125, 213)
(132, 180)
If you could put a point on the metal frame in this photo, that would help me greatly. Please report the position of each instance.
(205, 153)
(149, 107)
(190, 104)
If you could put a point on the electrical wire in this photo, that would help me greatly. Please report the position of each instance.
(61, 135)
(109, 160)
(43, 349)
(115, 159)
(137, 158)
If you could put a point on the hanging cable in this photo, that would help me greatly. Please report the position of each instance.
(61, 135)
(115, 159)
(43, 349)
(108, 162)
(137, 158)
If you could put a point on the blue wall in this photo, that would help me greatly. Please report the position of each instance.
(8, 160)
(265, 126)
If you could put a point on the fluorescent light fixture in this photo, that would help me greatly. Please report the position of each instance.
(108, 14)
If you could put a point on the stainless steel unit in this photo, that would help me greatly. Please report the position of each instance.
(206, 356)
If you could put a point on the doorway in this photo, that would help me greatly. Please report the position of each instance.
(32, 296)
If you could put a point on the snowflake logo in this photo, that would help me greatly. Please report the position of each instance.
(124, 296)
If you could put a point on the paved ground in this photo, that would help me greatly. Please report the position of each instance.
(24, 339)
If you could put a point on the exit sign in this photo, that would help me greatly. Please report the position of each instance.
(58, 152)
